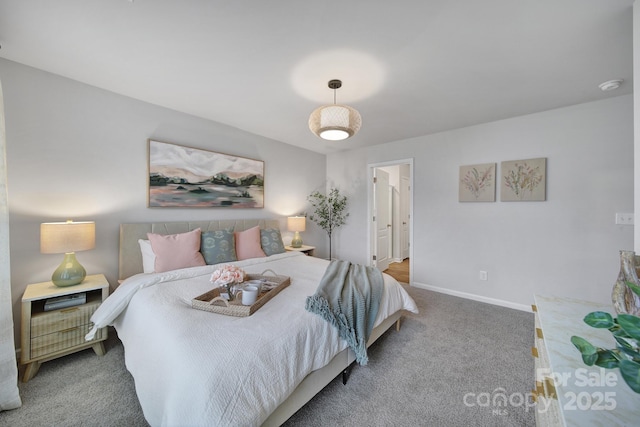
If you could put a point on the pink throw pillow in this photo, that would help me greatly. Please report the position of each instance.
(174, 251)
(248, 244)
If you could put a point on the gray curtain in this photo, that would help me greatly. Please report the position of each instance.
(9, 395)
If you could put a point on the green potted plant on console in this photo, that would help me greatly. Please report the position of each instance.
(626, 332)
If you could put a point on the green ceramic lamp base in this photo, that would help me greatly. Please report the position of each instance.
(70, 272)
(296, 242)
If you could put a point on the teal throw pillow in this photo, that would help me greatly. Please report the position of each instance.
(271, 241)
(218, 246)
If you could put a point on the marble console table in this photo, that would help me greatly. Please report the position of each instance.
(584, 395)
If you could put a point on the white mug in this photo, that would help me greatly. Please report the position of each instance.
(256, 283)
(249, 294)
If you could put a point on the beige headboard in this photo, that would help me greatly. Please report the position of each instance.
(130, 258)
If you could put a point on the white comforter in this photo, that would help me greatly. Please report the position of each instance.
(196, 368)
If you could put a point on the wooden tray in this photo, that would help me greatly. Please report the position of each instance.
(213, 302)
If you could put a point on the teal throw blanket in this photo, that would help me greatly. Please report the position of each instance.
(348, 297)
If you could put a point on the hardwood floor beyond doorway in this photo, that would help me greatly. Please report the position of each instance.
(399, 271)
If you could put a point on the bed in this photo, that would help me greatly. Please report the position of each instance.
(193, 367)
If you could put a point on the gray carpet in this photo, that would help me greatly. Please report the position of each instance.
(442, 369)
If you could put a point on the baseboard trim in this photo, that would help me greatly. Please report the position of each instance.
(494, 301)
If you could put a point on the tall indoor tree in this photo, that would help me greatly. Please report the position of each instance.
(329, 211)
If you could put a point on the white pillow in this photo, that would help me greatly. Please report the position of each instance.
(148, 257)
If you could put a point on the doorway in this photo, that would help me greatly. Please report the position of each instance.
(390, 218)
(399, 271)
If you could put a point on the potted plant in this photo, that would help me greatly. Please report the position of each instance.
(626, 332)
(329, 211)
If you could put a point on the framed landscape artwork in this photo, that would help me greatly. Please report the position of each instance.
(477, 183)
(192, 178)
(524, 180)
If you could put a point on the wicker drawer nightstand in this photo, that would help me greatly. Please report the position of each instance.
(307, 250)
(47, 335)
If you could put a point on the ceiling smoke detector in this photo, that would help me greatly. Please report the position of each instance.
(610, 85)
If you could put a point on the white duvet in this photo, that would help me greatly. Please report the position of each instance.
(196, 368)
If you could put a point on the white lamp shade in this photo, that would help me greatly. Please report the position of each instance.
(64, 237)
(296, 223)
(335, 122)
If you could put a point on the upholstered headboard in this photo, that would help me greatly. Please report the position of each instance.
(130, 258)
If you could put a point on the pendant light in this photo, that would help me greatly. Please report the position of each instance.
(335, 122)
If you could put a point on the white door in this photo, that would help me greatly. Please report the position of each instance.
(404, 217)
(382, 219)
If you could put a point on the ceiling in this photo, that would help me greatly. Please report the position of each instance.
(410, 67)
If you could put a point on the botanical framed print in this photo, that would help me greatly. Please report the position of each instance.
(523, 180)
(188, 177)
(477, 183)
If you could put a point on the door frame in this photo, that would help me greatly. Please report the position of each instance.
(404, 210)
(370, 224)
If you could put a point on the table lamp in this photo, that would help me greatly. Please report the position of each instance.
(67, 238)
(296, 224)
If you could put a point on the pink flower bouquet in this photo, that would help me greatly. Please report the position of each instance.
(227, 277)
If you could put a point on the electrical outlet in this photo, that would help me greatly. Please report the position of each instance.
(624, 219)
(483, 275)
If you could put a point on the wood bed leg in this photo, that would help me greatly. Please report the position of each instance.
(347, 372)
(31, 371)
(398, 324)
(99, 349)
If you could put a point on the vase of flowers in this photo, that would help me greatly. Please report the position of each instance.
(227, 277)
(625, 299)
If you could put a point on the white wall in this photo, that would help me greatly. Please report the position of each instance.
(567, 245)
(636, 121)
(78, 152)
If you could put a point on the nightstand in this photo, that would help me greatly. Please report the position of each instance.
(307, 250)
(47, 335)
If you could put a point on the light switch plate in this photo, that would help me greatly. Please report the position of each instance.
(624, 219)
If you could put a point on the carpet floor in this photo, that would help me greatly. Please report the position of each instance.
(443, 368)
